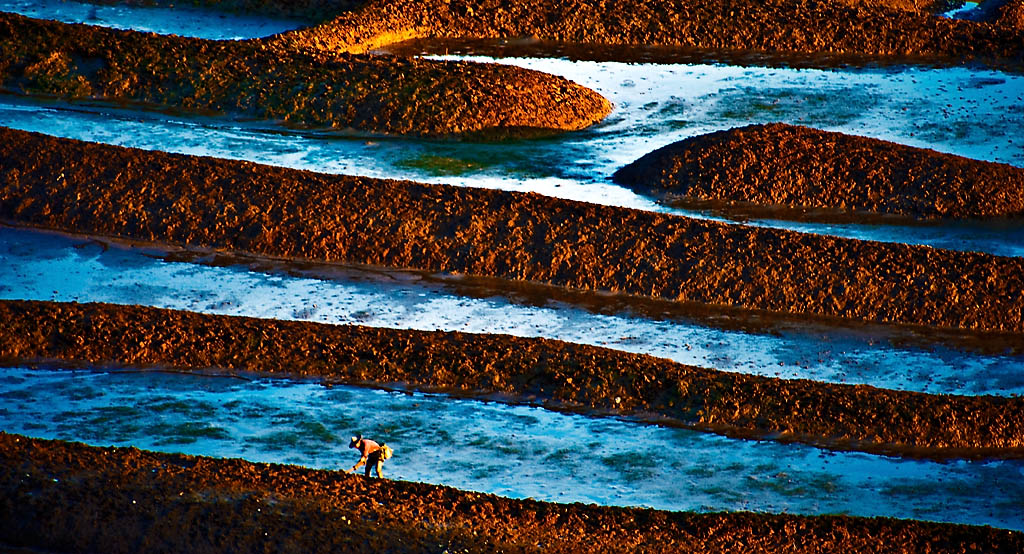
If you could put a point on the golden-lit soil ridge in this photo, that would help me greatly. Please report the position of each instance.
(239, 206)
(803, 26)
(799, 167)
(74, 498)
(249, 80)
(558, 373)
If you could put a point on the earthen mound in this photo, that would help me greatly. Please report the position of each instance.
(802, 27)
(244, 207)
(558, 373)
(69, 497)
(799, 167)
(249, 80)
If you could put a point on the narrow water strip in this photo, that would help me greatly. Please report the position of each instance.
(184, 20)
(48, 266)
(514, 451)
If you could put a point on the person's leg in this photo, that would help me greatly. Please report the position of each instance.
(380, 467)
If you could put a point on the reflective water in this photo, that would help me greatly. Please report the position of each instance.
(44, 266)
(514, 451)
(182, 20)
(971, 112)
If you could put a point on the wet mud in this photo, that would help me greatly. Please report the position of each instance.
(554, 373)
(244, 207)
(249, 80)
(71, 497)
(774, 25)
(801, 167)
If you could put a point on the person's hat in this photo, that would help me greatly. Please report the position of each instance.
(355, 440)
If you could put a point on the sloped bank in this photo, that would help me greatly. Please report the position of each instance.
(803, 27)
(561, 374)
(69, 497)
(800, 167)
(247, 79)
(209, 203)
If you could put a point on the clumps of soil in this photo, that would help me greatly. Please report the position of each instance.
(799, 167)
(560, 374)
(70, 497)
(804, 26)
(1010, 14)
(202, 202)
(247, 79)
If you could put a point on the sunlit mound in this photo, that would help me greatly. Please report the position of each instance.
(836, 27)
(800, 167)
(246, 79)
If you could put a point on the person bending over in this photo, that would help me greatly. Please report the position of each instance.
(372, 454)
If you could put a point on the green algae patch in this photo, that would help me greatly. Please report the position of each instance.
(251, 80)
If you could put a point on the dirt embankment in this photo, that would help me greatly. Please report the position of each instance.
(249, 80)
(806, 26)
(203, 202)
(799, 167)
(70, 497)
(565, 374)
(239, 206)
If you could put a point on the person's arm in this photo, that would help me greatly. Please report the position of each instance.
(361, 461)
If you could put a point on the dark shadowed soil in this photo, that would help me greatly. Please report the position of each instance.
(563, 375)
(244, 207)
(69, 497)
(804, 26)
(786, 165)
(247, 79)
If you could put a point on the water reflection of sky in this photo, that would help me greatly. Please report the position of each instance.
(39, 266)
(514, 451)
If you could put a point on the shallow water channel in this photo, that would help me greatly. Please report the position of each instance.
(523, 451)
(47, 266)
(974, 112)
(515, 451)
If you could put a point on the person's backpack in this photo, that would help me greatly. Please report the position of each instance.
(386, 452)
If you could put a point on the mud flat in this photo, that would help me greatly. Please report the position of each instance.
(800, 167)
(208, 203)
(247, 79)
(71, 497)
(561, 375)
(773, 26)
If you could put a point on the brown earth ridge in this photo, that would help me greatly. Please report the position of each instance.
(244, 207)
(561, 375)
(247, 79)
(802, 26)
(69, 497)
(787, 165)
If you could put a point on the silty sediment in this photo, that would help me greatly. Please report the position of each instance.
(201, 202)
(250, 80)
(800, 167)
(562, 375)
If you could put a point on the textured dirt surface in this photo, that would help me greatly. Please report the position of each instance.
(69, 497)
(1010, 15)
(806, 26)
(238, 206)
(562, 374)
(786, 165)
(246, 79)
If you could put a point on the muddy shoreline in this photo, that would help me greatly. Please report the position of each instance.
(244, 207)
(64, 496)
(550, 372)
(249, 80)
(801, 167)
(773, 26)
